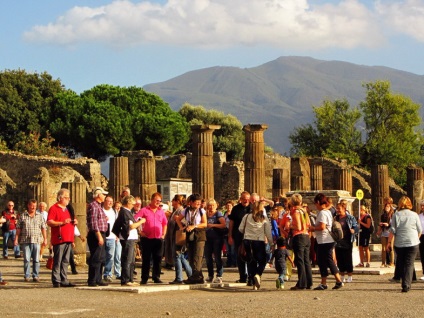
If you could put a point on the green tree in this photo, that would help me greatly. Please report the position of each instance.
(25, 99)
(334, 133)
(106, 120)
(229, 139)
(392, 125)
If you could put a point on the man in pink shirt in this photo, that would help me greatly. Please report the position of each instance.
(152, 238)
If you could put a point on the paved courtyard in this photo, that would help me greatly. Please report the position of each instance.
(370, 294)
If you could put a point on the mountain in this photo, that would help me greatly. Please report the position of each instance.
(281, 93)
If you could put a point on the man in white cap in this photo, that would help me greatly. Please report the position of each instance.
(97, 227)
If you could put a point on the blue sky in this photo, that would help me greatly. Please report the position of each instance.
(85, 43)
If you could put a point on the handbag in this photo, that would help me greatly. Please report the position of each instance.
(180, 237)
(49, 263)
(241, 252)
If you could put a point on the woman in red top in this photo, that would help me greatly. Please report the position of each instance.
(9, 229)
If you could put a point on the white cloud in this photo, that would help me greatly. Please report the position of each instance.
(216, 23)
(405, 17)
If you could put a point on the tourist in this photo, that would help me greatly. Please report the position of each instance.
(125, 228)
(42, 208)
(281, 256)
(256, 230)
(2, 281)
(301, 243)
(214, 241)
(152, 237)
(229, 248)
(383, 232)
(112, 246)
(179, 248)
(30, 234)
(8, 229)
(405, 230)
(62, 238)
(326, 243)
(421, 248)
(235, 237)
(365, 223)
(345, 246)
(96, 238)
(195, 227)
(284, 225)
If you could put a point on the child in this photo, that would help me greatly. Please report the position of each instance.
(274, 231)
(281, 254)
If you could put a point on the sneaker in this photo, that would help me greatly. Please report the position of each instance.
(343, 279)
(338, 285)
(36, 279)
(27, 279)
(278, 283)
(107, 279)
(282, 286)
(349, 279)
(257, 281)
(218, 280)
(286, 278)
(209, 279)
(321, 287)
(368, 265)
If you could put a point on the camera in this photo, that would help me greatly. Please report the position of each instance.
(60, 237)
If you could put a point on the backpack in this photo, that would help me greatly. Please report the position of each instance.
(336, 231)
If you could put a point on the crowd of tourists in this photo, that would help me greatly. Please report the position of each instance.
(253, 233)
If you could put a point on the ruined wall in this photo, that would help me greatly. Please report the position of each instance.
(27, 177)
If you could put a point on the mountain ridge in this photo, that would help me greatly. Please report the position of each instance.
(281, 92)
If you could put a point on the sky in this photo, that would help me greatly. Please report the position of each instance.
(134, 43)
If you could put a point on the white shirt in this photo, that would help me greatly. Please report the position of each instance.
(111, 220)
(324, 216)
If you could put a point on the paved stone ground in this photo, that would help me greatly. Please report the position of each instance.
(370, 294)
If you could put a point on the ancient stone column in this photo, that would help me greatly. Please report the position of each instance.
(254, 158)
(343, 179)
(414, 186)
(280, 182)
(118, 175)
(316, 177)
(379, 189)
(202, 160)
(146, 170)
(78, 194)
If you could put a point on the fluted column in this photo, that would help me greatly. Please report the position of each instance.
(280, 182)
(343, 179)
(118, 175)
(254, 158)
(202, 160)
(78, 194)
(414, 186)
(316, 177)
(379, 189)
(146, 175)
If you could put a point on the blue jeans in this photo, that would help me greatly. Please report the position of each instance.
(110, 248)
(181, 262)
(10, 235)
(117, 259)
(231, 254)
(213, 247)
(31, 250)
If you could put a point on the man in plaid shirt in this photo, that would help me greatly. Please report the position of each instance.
(97, 227)
(30, 234)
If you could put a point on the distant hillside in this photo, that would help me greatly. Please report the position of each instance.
(280, 93)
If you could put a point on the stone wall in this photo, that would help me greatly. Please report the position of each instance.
(26, 177)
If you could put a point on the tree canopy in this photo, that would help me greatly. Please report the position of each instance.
(392, 134)
(229, 139)
(106, 120)
(25, 99)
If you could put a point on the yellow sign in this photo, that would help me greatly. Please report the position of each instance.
(359, 194)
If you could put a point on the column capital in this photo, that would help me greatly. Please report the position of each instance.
(205, 127)
(255, 127)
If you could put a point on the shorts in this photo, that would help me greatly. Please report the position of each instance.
(364, 241)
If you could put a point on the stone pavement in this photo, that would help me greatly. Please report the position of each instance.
(12, 272)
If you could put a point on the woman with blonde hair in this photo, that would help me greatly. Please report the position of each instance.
(255, 228)
(301, 242)
(405, 230)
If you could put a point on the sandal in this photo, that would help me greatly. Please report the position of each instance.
(360, 265)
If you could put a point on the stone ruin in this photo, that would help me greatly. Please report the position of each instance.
(24, 177)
